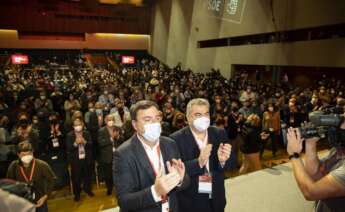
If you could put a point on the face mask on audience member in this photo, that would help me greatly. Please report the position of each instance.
(27, 159)
(35, 121)
(78, 128)
(201, 124)
(43, 97)
(152, 132)
(110, 123)
(99, 112)
(91, 109)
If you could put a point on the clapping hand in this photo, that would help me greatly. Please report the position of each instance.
(177, 166)
(224, 152)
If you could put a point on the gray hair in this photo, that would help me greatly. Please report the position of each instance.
(197, 101)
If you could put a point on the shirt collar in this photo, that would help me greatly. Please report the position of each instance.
(147, 147)
(198, 140)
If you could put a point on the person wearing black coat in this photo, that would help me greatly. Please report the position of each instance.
(250, 145)
(206, 153)
(108, 140)
(146, 169)
(79, 154)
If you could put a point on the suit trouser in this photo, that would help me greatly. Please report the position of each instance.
(108, 175)
(81, 172)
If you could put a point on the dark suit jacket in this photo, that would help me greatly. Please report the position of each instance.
(134, 176)
(105, 146)
(72, 151)
(190, 199)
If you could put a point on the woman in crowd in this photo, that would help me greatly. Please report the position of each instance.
(271, 125)
(250, 147)
(79, 152)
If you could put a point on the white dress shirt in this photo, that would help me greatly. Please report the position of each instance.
(202, 144)
(157, 163)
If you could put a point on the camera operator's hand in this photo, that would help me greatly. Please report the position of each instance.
(310, 141)
(294, 144)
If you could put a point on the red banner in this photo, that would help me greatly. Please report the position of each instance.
(127, 60)
(19, 59)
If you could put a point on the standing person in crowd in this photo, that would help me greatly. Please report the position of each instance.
(23, 131)
(71, 104)
(271, 125)
(313, 105)
(79, 153)
(246, 109)
(147, 168)
(292, 116)
(108, 140)
(178, 122)
(55, 149)
(122, 114)
(34, 172)
(43, 103)
(248, 96)
(99, 109)
(168, 113)
(205, 151)
(250, 146)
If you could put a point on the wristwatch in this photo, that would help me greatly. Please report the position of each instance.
(294, 155)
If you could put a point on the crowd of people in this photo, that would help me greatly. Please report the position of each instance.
(78, 117)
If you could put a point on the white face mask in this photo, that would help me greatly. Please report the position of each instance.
(152, 132)
(110, 123)
(201, 124)
(78, 128)
(27, 159)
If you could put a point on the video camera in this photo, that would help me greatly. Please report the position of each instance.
(324, 124)
(321, 122)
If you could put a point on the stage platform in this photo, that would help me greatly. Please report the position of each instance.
(268, 190)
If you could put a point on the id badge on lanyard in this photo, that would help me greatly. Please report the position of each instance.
(29, 180)
(81, 154)
(205, 184)
(55, 142)
(165, 205)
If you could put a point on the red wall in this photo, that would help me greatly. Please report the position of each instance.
(73, 17)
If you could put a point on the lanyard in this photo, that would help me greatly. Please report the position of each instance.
(31, 172)
(156, 172)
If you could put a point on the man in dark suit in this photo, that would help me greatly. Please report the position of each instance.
(205, 151)
(147, 170)
(79, 153)
(108, 141)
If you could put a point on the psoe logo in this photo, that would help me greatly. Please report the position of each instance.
(227, 10)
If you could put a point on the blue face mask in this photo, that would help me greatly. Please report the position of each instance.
(152, 132)
(99, 112)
